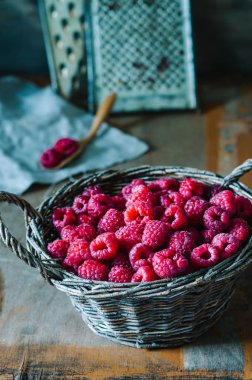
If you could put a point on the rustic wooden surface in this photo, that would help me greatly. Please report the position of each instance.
(43, 337)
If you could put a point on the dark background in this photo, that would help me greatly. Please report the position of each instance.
(222, 37)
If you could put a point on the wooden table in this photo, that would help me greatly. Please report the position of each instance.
(43, 337)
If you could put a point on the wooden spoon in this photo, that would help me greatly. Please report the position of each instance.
(101, 114)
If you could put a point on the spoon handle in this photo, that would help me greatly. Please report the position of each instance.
(101, 114)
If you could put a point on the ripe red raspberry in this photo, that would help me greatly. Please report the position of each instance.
(111, 221)
(86, 231)
(118, 202)
(189, 187)
(58, 249)
(144, 274)
(122, 260)
(195, 208)
(63, 217)
(126, 190)
(104, 247)
(50, 158)
(182, 242)
(80, 204)
(215, 218)
(175, 217)
(69, 233)
(240, 229)
(168, 264)
(120, 275)
(227, 245)
(66, 146)
(86, 219)
(93, 270)
(141, 195)
(92, 190)
(155, 233)
(98, 204)
(204, 256)
(164, 184)
(208, 235)
(129, 235)
(225, 200)
(140, 255)
(243, 207)
(78, 252)
(138, 214)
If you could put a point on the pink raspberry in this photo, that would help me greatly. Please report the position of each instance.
(92, 190)
(80, 204)
(164, 184)
(215, 218)
(138, 214)
(122, 260)
(50, 158)
(104, 247)
(182, 242)
(78, 252)
(144, 274)
(69, 233)
(86, 231)
(177, 198)
(140, 255)
(189, 187)
(98, 204)
(204, 256)
(63, 217)
(175, 217)
(118, 202)
(111, 221)
(86, 219)
(141, 195)
(129, 235)
(120, 275)
(168, 264)
(93, 270)
(243, 207)
(225, 200)
(227, 245)
(240, 229)
(127, 190)
(208, 235)
(195, 208)
(58, 249)
(155, 233)
(66, 146)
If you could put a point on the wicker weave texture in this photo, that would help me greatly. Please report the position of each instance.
(162, 313)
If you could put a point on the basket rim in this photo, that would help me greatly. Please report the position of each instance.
(66, 280)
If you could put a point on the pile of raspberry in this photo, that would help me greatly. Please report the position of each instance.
(150, 231)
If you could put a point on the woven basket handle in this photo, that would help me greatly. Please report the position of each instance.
(238, 172)
(11, 242)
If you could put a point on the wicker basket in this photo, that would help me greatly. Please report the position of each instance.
(162, 313)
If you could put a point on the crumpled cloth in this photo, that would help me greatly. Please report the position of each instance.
(32, 119)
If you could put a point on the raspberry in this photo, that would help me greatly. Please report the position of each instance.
(163, 184)
(80, 204)
(140, 255)
(225, 200)
(86, 219)
(111, 221)
(93, 270)
(126, 190)
(141, 195)
(50, 158)
(138, 214)
(243, 207)
(120, 274)
(118, 202)
(227, 245)
(92, 190)
(58, 249)
(168, 264)
(66, 146)
(208, 235)
(175, 217)
(204, 256)
(240, 229)
(155, 233)
(78, 252)
(86, 231)
(144, 274)
(122, 260)
(104, 247)
(195, 208)
(98, 204)
(63, 217)
(69, 233)
(216, 218)
(189, 187)
(182, 242)
(129, 235)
